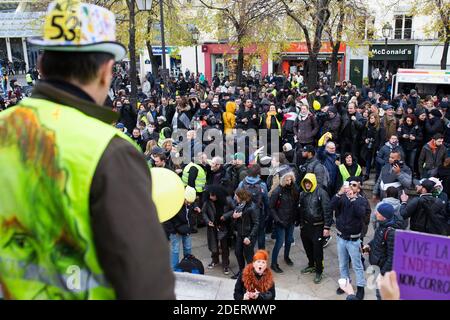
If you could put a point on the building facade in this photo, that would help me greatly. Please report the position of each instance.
(19, 21)
(409, 45)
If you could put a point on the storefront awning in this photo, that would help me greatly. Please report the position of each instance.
(21, 24)
(321, 56)
(430, 56)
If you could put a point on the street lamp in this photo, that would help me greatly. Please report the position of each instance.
(387, 33)
(195, 37)
(144, 5)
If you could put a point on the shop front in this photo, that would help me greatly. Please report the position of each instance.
(397, 56)
(293, 59)
(221, 59)
(173, 60)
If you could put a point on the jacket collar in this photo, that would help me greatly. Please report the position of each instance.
(74, 98)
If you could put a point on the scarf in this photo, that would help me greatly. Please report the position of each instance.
(270, 114)
(303, 116)
(433, 146)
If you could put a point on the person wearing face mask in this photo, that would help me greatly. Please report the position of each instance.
(256, 281)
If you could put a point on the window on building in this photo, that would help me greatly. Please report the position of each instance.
(398, 27)
(407, 30)
(403, 27)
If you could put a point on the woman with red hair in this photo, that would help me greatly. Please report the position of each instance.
(256, 281)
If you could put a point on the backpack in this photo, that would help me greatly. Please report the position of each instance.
(435, 216)
(190, 264)
(429, 216)
(304, 170)
(256, 190)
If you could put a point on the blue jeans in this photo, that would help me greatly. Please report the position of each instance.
(285, 235)
(410, 158)
(175, 247)
(351, 249)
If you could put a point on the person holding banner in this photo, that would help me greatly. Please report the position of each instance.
(76, 198)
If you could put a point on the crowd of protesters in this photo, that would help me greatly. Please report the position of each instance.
(333, 139)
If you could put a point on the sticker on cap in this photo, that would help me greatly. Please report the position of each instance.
(63, 23)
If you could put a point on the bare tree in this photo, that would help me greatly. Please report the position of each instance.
(312, 17)
(244, 16)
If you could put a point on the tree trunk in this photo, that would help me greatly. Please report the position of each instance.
(240, 66)
(334, 64)
(153, 60)
(132, 49)
(311, 77)
(152, 57)
(445, 53)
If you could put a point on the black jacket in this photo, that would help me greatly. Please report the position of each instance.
(181, 223)
(314, 208)
(382, 244)
(247, 225)
(350, 214)
(351, 130)
(427, 213)
(283, 205)
(406, 143)
(429, 160)
(433, 126)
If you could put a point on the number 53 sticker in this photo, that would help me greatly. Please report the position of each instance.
(63, 27)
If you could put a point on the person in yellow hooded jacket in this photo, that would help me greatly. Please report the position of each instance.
(315, 220)
(229, 117)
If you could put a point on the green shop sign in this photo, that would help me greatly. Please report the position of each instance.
(392, 52)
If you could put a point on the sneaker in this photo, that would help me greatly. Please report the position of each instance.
(326, 241)
(339, 291)
(308, 270)
(212, 265)
(289, 261)
(234, 277)
(276, 268)
(318, 278)
(226, 271)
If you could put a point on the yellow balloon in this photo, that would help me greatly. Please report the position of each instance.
(167, 193)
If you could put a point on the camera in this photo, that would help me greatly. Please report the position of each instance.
(398, 163)
(370, 144)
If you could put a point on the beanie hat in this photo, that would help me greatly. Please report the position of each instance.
(386, 210)
(332, 109)
(239, 156)
(287, 147)
(190, 194)
(261, 255)
(428, 185)
(120, 125)
(436, 113)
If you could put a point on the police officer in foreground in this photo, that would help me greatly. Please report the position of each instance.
(76, 215)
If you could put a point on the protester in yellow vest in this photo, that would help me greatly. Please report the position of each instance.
(348, 168)
(77, 217)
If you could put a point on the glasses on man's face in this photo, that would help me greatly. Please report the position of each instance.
(354, 185)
